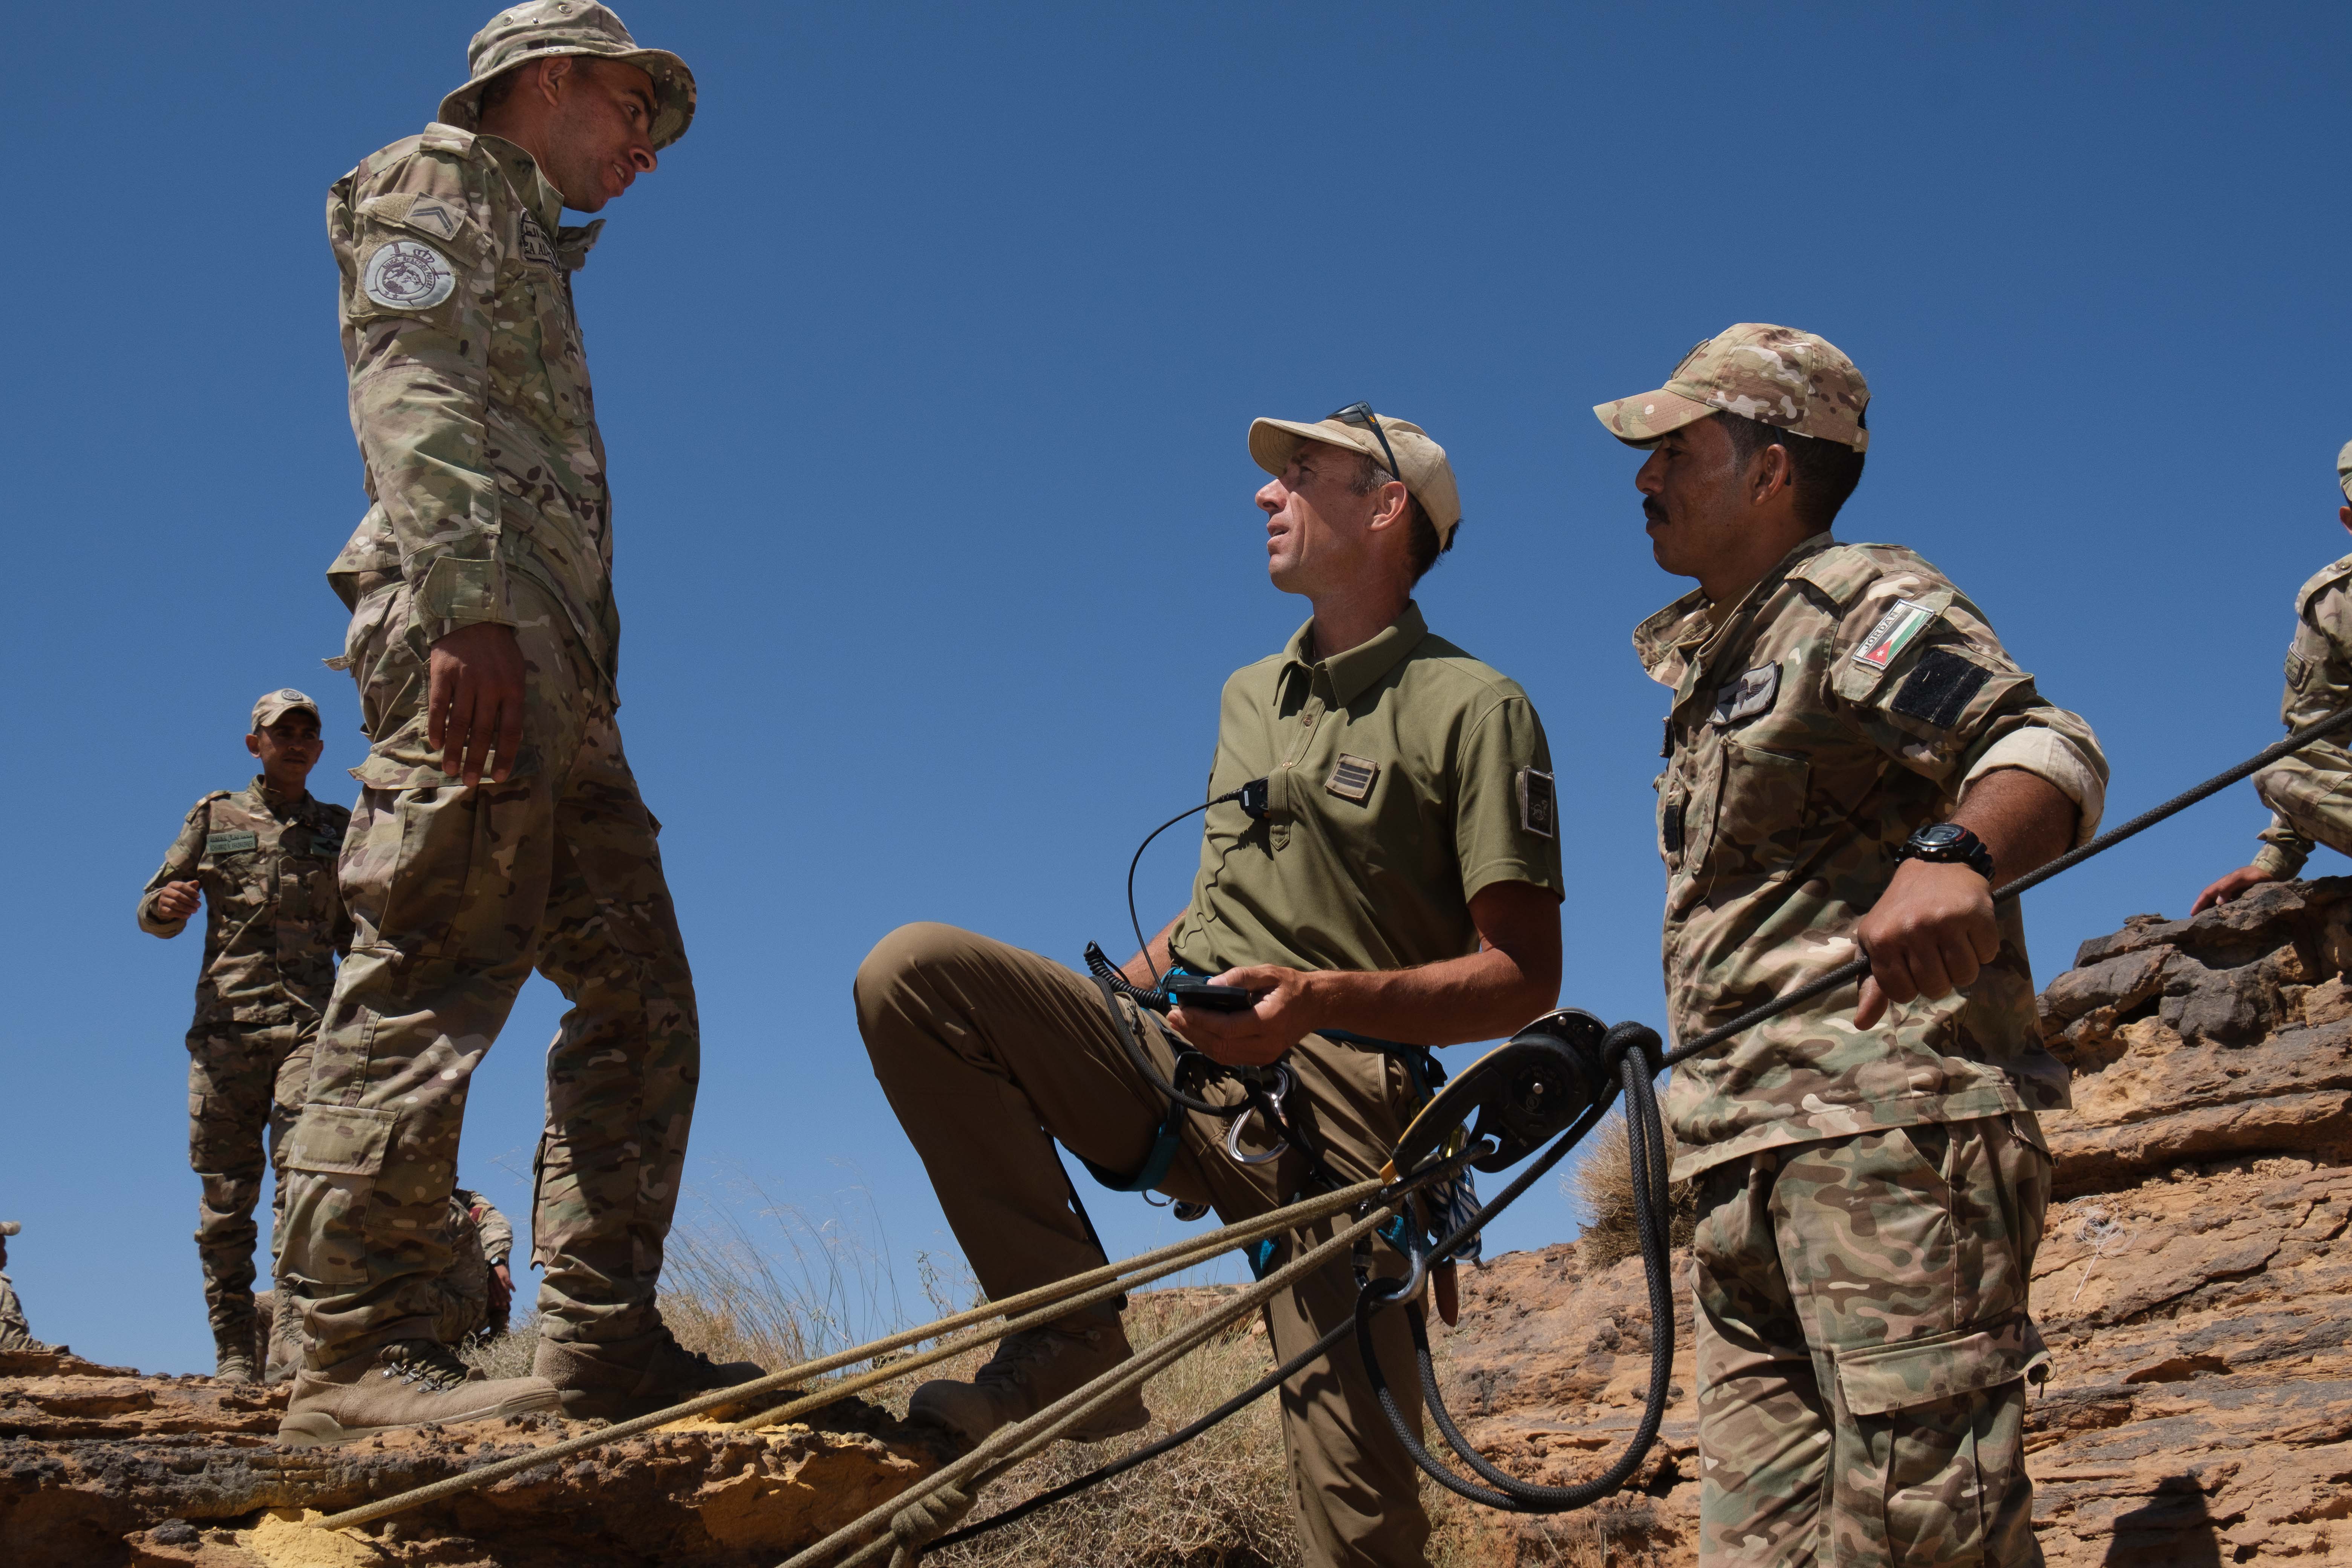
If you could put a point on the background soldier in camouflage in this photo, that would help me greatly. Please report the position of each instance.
(1871, 1192)
(472, 1299)
(499, 826)
(14, 1333)
(262, 862)
(2310, 793)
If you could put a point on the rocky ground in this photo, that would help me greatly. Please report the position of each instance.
(102, 1466)
(2194, 1285)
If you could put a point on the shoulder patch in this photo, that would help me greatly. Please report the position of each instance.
(1351, 778)
(428, 214)
(1751, 694)
(1538, 804)
(1939, 689)
(229, 843)
(1892, 633)
(408, 275)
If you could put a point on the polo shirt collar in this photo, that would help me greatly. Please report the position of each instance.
(1354, 672)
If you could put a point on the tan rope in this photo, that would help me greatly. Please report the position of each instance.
(1098, 1284)
(1009, 1446)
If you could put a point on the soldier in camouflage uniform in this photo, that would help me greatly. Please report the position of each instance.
(1871, 1174)
(499, 827)
(2310, 793)
(262, 860)
(16, 1334)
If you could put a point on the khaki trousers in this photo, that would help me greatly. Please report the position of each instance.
(1863, 1347)
(457, 895)
(990, 1055)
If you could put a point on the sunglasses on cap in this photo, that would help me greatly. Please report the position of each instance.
(1361, 414)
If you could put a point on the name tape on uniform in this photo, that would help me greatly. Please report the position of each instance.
(229, 843)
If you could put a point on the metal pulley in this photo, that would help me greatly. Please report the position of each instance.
(1522, 1093)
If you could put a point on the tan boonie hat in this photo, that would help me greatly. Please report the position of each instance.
(545, 27)
(1776, 376)
(275, 705)
(1428, 477)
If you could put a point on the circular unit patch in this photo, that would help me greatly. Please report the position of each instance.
(407, 275)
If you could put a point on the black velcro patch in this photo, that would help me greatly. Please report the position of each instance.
(1940, 688)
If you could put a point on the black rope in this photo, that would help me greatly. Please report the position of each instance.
(1847, 974)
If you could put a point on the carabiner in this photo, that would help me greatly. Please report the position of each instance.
(1275, 1096)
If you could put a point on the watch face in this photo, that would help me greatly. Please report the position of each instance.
(1940, 835)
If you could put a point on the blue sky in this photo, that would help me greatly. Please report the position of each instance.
(925, 363)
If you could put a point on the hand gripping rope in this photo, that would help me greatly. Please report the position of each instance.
(1554, 1080)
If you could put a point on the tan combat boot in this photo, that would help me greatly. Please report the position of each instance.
(405, 1384)
(619, 1380)
(1030, 1371)
(233, 1326)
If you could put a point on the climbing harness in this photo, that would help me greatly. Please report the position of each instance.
(1546, 1088)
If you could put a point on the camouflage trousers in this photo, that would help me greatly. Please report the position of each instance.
(16, 1334)
(1864, 1348)
(2312, 791)
(245, 1084)
(456, 895)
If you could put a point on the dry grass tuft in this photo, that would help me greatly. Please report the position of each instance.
(1603, 1183)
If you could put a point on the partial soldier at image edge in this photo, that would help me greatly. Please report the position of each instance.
(16, 1333)
(2309, 793)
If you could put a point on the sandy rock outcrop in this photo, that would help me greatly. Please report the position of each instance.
(2194, 1282)
(102, 1466)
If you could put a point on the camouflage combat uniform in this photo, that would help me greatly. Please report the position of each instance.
(274, 924)
(2310, 793)
(16, 1334)
(479, 1240)
(470, 398)
(1869, 1201)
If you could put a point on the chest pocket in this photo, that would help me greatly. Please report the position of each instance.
(236, 871)
(1760, 805)
(2307, 657)
(561, 351)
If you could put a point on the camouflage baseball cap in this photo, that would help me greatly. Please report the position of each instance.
(1428, 477)
(275, 705)
(1776, 376)
(545, 27)
(2344, 471)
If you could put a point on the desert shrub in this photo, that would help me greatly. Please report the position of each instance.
(1603, 1183)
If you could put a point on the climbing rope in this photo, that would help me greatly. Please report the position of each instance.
(921, 1518)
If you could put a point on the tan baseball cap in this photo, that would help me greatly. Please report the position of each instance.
(9, 1227)
(275, 705)
(1419, 461)
(1776, 376)
(545, 27)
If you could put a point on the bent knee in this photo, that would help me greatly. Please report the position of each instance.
(899, 959)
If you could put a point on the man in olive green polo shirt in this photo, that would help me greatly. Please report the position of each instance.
(1403, 884)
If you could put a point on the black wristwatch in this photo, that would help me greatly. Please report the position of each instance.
(1948, 843)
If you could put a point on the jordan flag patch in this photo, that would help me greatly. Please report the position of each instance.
(1892, 634)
